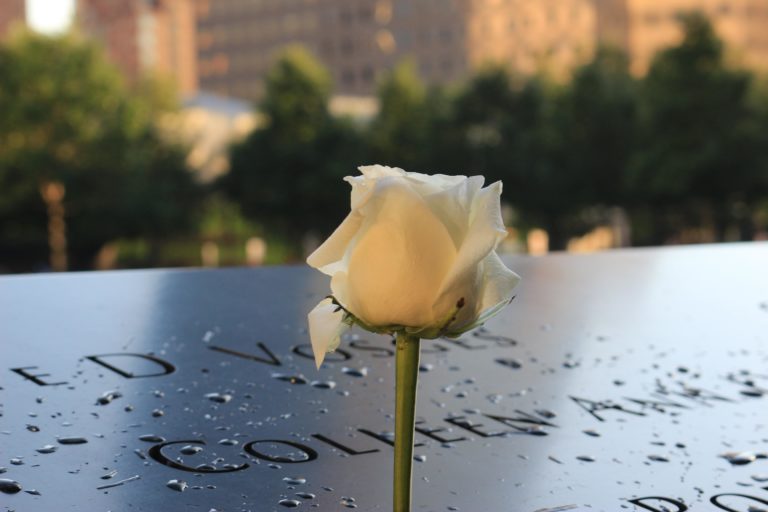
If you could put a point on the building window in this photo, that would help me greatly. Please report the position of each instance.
(347, 48)
(367, 74)
(364, 13)
(348, 78)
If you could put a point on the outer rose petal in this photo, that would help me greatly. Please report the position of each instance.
(485, 231)
(423, 184)
(496, 288)
(328, 256)
(325, 328)
(453, 206)
(362, 186)
(400, 259)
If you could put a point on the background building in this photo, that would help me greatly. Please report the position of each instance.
(742, 24)
(359, 39)
(145, 35)
(12, 12)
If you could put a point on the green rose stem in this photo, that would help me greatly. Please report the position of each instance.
(406, 378)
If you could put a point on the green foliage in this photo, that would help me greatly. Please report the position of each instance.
(400, 134)
(698, 146)
(596, 120)
(68, 118)
(281, 174)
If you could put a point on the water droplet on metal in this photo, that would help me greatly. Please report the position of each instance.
(294, 480)
(289, 503)
(49, 448)
(191, 449)
(16, 461)
(9, 486)
(118, 483)
(536, 430)
(323, 384)
(355, 372)
(292, 379)
(33, 428)
(177, 485)
(72, 440)
(107, 397)
(739, 458)
(658, 458)
(152, 438)
(586, 458)
(591, 432)
(509, 362)
(220, 398)
(109, 475)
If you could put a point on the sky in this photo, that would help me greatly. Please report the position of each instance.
(50, 16)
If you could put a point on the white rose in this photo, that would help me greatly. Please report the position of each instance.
(416, 253)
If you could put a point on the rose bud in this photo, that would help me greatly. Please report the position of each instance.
(417, 254)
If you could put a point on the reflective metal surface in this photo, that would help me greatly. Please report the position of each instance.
(612, 377)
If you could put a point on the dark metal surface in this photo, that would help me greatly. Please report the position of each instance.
(612, 377)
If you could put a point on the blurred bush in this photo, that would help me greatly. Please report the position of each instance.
(68, 119)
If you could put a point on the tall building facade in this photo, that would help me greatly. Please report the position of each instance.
(143, 36)
(358, 39)
(12, 13)
(227, 46)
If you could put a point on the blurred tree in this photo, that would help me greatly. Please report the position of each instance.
(485, 126)
(399, 135)
(698, 141)
(596, 119)
(507, 132)
(287, 174)
(546, 189)
(68, 119)
(574, 146)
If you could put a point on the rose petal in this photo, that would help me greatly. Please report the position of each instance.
(325, 327)
(453, 206)
(485, 231)
(498, 284)
(426, 184)
(327, 258)
(400, 259)
(362, 186)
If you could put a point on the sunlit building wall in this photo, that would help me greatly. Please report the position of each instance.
(531, 36)
(358, 39)
(742, 24)
(227, 46)
(12, 13)
(142, 36)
